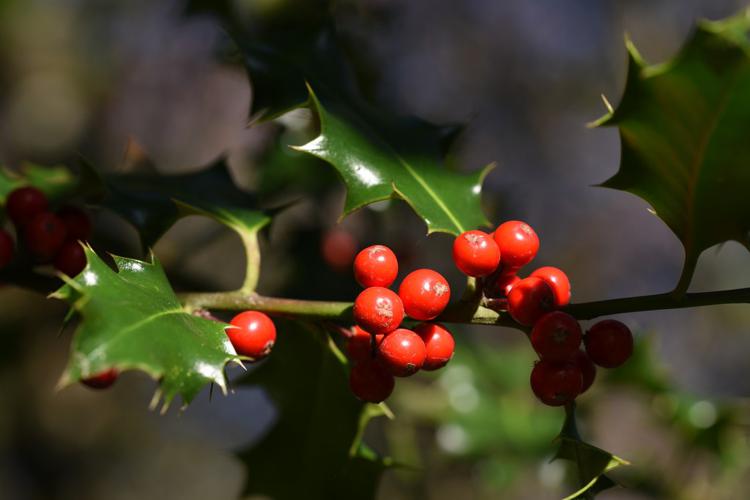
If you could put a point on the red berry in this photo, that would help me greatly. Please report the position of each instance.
(502, 285)
(359, 345)
(556, 383)
(71, 259)
(101, 380)
(476, 253)
(378, 310)
(253, 335)
(559, 282)
(371, 382)
(518, 243)
(44, 236)
(7, 248)
(556, 336)
(76, 222)
(529, 300)
(609, 343)
(439, 344)
(376, 265)
(23, 204)
(588, 370)
(338, 247)
(402, 352)
(425, 293)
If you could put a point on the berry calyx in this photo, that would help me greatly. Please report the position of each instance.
(559, 282)
(359, 346)
(475, 253)
(378, 310)
(587, 367)
(7, 248)
(44, 236)
(77, 223)
(556, 336)
(609, 343)
(402, 352)
(71, 259)
(555, 383)
(518, 244)
(439, 345)
(376, 265)
(253, 334)
(371, 382)
(425, 293)
(529, 300)
(23, 204)
(101, 380)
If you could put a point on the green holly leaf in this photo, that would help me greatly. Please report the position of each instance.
(380, 156)
(683, 127)
(57, 182)
(132, 320)
(319, 428)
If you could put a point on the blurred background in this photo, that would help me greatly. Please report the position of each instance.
(526, 76)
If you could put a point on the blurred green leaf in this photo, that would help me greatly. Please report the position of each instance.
(57, 182)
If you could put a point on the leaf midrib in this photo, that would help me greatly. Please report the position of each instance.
(135, 326)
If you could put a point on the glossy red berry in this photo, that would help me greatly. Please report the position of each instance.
(44, 236)
(556, 336)
(23, 204)
(360, 345)
(7, 249)
(476, 253)
(529, 300)
(253, 335)
(371, 382)
(71, 259)
(559, 282)
(376, 265)
(518, 244)
(609, 343)
(102, 380)
(425, 293)
(502, 285)
(402, 352)
(438, 343)
(555, 383)
(77, 223)
(587, 367)
(378, 310)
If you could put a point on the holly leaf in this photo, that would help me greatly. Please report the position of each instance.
(381, 156)
(57, 182)
(132, 320)
(683, 127)
(317, 435)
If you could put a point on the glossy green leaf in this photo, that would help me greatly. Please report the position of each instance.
(132, 320)
(316, 439)
(684, 127)
(56, 182)
(380, 156)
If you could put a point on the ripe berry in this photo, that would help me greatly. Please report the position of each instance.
(371, 382)
(6, 248)
(518, 244)
(556, 383)
(588, 370)
(559, 282)
(23, 204)
(402, 352)
(378, 310)
(556, 336)
(338, 247)
(44, 236)
(502, 285)
(476, 253)
(439, 344)
(71, 259)
(609, 343)
(77, 223)
(253, 335)
(359, 345)
(376, 265)
(425, 293)
(101, 380)
(529, 300)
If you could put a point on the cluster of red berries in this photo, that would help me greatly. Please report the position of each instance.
(48, 237)
(378, 348)
(563, 371)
